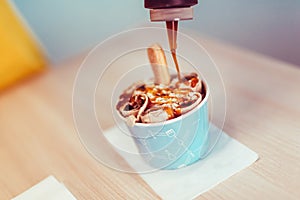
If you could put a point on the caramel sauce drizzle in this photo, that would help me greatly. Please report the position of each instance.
(172, 98)
(172, 27)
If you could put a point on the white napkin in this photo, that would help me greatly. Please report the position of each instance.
(228, 157)
(48, 189)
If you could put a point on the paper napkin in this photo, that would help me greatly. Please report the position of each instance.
(47, 189)
(227, 158)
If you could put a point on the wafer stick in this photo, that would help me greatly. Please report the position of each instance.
(159, 65)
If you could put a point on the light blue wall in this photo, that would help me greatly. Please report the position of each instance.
(67, 27)
(270, 27)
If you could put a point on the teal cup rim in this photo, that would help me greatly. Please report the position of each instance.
(207, 93)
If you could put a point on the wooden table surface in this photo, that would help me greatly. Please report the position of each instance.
(38, 138)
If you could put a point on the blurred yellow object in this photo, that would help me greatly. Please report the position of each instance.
(20, 55)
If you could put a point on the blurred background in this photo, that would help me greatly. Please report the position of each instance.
(67, 27)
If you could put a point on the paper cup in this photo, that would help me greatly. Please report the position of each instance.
(177, 142)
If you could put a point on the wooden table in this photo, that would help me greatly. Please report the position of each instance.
(38, 138)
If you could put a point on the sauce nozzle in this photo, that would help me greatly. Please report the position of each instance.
(170, 11)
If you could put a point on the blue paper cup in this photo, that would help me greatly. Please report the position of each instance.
(177, 142)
